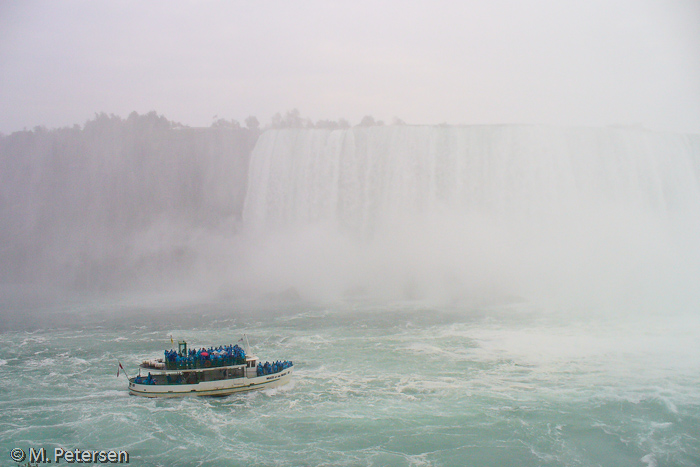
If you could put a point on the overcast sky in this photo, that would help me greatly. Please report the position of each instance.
(592, 62)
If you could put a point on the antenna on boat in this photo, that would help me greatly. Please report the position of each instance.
(247, 344)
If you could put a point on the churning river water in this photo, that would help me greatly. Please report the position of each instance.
(393, 384)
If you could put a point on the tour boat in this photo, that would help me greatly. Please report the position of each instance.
(215, 371)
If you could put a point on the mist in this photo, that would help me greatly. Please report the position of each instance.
(118, 203)
(574, 217)
(567, 218)
(564, 196)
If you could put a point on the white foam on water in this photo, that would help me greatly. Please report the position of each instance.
(649, 460)
(438, 392)
(32, 340)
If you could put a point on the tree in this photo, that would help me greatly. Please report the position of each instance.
(252, 123)
(221, 123)
(276, 121)
(292, 119)
(146, 123)
(368, 120)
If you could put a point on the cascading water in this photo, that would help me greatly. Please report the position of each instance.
(364, 176)
(427, 211)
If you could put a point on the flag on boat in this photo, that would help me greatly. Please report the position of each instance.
(120, 367)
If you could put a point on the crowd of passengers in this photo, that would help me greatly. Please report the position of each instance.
(274, 367)
(143, 380)
(229, 354)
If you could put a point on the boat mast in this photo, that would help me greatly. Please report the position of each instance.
(247, 344)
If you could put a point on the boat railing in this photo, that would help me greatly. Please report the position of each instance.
(189, 377)
(268, 368)
(202, 364)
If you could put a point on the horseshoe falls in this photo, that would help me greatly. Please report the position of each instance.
(450, 296)
(477, 212)
(363, 177)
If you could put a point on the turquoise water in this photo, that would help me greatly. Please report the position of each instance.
(375, 384)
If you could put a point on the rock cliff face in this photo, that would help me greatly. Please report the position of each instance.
(114, 202)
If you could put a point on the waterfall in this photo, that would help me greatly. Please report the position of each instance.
(361, 177)
(475, 204)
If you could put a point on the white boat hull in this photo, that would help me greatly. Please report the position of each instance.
(212, 388)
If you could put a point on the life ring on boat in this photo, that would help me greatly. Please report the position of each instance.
(207, 363)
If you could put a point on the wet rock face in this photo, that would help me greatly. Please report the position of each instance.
(89, 208)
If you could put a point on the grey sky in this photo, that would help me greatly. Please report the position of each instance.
(558, 62)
